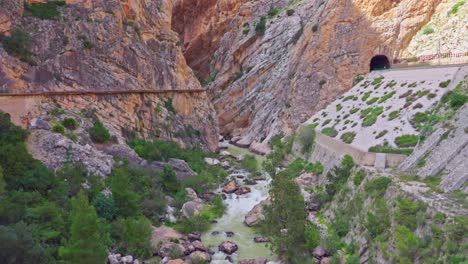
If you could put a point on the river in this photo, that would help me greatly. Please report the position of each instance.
(233, 218)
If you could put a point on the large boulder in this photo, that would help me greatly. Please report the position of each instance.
(211, 161)
(181, 168)
(126, 260)
(319, 252)
(230, 187)
(192, 208)
(259, 260)
(124, 151)
(312, 201)
(261, 240)
(306, 180)
(164, 234)
(228, 247)
(199, 257)
(191, 194)
(198, 245)
(260, 148)
(39, 123)
(243, 190)
(171, 249)
(255, 216)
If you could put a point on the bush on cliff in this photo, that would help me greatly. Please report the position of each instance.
(47, 10)
(260, 27)
(18, 44)
(99, 132)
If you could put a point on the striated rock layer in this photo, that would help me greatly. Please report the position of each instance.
(269, 83)
(108, 46)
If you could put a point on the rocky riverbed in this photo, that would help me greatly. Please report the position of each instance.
(231, 226)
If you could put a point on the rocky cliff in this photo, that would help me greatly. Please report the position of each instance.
(104, 46)
(268, 75)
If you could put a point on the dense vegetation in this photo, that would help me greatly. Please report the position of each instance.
(67, 217)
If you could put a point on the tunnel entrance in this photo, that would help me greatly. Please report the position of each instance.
(379, 62)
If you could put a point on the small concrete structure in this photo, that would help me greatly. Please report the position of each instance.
(380, 160)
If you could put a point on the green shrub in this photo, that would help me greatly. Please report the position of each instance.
(105, 206)
(169, 106)
(373, 100)
(444, 84)
(133, 236)
(427, 30)
(378, 80)
(99, 132)
(354, 110)
(45, 11)
(18, 44)
(366, 96)
(339, 107)
(389, 150)
(290, 12)
(358, 79)
(456, 7)
(260, 27)
(340, 224)
(306, 137)
(378, 222)
(273, 12)
(393, 115)
(316, 168)
(70, 123)
(85, 42)
(312, 235)
(249, 163)
(378, 186)
(329, 131)
(406, 213)
(439, 218)
(386, 97)
(457, 100)
(407, 141)
(58, 129)
(381, 134)
(371, 117)
(406, 244)
(348, 137)
(358, 177)
(326, 122)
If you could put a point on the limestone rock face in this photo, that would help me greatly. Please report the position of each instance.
(56, 149)
(123, 45)
(269, 83)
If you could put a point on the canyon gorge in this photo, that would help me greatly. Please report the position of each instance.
(199, 131)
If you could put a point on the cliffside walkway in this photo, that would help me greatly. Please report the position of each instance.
(117, 92)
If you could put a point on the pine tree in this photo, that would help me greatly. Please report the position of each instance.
(286, 218)
(125, 198)
(87, 243)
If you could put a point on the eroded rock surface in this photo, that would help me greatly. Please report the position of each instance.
(262, 84)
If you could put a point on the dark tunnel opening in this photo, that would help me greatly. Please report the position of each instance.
(379, 62)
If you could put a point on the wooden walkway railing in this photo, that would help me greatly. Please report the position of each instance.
(117, 92)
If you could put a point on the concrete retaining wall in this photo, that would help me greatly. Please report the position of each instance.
(329, 151)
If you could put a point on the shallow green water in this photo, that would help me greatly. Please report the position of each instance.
(232, 220)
